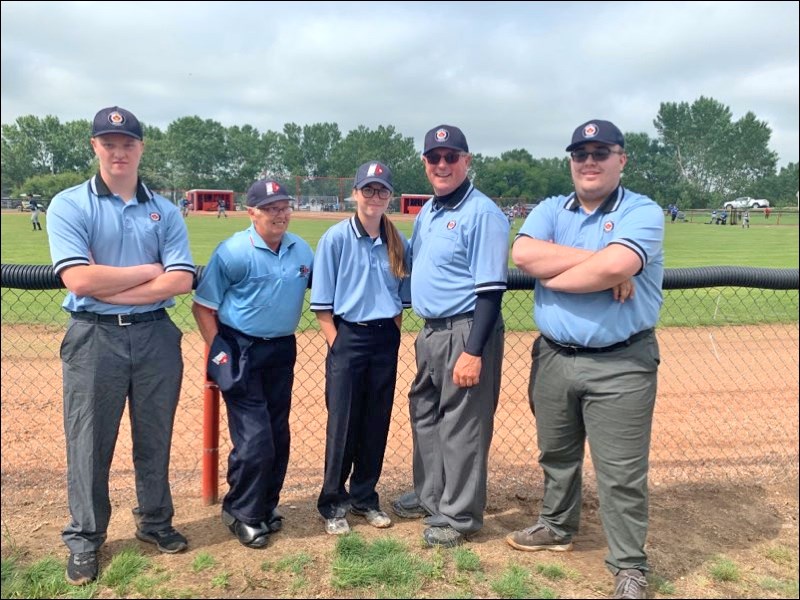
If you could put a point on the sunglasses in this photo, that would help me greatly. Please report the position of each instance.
(369, 192)
(598, 155)
(450, 158)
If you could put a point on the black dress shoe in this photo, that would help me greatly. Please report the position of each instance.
(252, 536)
(275, 521)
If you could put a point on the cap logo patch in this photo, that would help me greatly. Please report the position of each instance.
(220, 359)
(608, 226)
(374, 169)
(155, 217)
(451, 224)
(442, 135)
(116, 119)
(590, 130)
(271, 188)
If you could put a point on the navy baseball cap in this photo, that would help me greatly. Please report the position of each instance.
(602, 132)
(223, 366)
(116, 120)
(373, 172)
(445, 136)
(266, 191)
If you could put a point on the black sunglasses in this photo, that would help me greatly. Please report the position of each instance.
(450, 158)
(599, 155)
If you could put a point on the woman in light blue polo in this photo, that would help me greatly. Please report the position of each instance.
(358, 293)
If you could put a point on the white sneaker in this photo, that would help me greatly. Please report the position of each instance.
(375, 517)
(337, 526)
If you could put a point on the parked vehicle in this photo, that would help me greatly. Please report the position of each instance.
(746, 202)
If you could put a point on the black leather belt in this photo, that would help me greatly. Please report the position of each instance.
(121, 320)
(337, 320)
(572, 349)
(447, 322)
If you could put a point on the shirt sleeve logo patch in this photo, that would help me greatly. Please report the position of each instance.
(304, 270)
(155, 216)
(451, 224)
(608, 226)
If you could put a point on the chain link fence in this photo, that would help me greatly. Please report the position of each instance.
(727, 403)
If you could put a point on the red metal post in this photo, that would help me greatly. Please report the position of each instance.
(210, 474)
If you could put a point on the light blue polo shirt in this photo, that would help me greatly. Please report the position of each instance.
(352, 276)
(254, 289)
(87, 224)
(457, 252)
(596, 319)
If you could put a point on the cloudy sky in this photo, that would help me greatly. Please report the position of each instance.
(510, 74)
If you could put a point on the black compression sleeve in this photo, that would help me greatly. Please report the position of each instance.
(487, 309)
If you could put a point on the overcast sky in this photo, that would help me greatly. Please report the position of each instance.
(510, 74)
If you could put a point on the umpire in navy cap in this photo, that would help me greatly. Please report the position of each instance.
(595, 364)
(247, 307)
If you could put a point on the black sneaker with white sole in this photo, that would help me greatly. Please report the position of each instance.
(81, 568)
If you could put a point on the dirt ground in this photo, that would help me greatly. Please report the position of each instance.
(722, 484)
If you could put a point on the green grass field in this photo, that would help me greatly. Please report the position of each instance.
(686, 245)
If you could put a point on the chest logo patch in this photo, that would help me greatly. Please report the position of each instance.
(608, 226)
(304, 271)
(451, 224)
(155, 216)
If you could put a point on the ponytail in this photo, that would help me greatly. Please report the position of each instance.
(395, 248)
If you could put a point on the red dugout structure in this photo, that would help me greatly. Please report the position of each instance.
(411, 204)
(209, 199)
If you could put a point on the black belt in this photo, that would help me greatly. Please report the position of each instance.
(229, 331)
(572, 349)
(447, 322)
(373, 323)
(121, 320)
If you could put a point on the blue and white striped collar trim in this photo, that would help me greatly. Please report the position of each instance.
(100, 188)
(610, 204)
(359, 231)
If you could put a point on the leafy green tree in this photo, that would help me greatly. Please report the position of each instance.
(198, 151)
(711, 153)
(246, 153)
(49, 185)
(780, 189)
(35, 146)
(386, 145)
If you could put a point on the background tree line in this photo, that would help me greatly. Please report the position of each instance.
(700, 158)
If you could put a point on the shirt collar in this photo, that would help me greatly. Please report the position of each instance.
(359, 231)
(100, 188)
(455, 198)
(610, 204)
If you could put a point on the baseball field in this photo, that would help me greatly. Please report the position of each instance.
(724, 486)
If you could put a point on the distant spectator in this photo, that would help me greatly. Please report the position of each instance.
(746, 219)
(723, 218)
(185, 207)
(673, 211)
(221, 202)
(767, 210)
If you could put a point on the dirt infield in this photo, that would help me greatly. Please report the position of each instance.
(725, 438)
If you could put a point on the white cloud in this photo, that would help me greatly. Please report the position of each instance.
(510, 74)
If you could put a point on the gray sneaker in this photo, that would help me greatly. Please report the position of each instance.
(630, 583)
(446, 537)
(538, 537)
(407, 506)
(374, 516)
